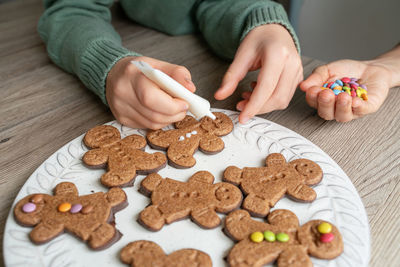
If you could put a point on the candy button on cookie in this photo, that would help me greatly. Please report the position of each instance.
(324, 228)
(64, 207)
(269, 236)
(282, 237)
(38, 198)
(326, 238)
(76, 208)
(257, 237)
(28, 207)
(87, 209)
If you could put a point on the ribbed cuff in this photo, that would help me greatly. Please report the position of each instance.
(270, 15)
(97, 61)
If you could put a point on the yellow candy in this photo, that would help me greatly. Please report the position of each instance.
(257, 237)
(324, 228)
(347, 91)
(337, 88)
(64, 207)
(358, 92)
(323, 88)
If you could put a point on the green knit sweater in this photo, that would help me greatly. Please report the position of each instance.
(80, 39)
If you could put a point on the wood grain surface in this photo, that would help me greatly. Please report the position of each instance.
(42, 108)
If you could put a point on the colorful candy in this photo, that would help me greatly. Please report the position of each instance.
(326, 238)
(282, 237)
(28, 207)
(76, 208)
(351, 86)
(324, 228)
(269, 236)
(257, 237)
(64, 207)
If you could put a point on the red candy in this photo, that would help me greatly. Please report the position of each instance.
(353, 86)
(329, 85)
(346, 80)
(326, 238)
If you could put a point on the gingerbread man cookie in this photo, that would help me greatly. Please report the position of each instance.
(282, 240)
(181, 143)
(264, 186)
(89, 217)
(148, 254)
(198, 198)
(124, 158)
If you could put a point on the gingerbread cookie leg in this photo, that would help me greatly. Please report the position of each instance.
(257, 206)
(152, 218)
(105, 234)
(45, 231)
(295, 256)
(206, 218)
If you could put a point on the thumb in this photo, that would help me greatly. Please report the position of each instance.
(235, 73)
(319, 76)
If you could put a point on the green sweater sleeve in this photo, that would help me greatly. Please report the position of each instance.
(225, 23)
(80, 39)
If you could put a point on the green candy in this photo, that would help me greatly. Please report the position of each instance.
(269, 236)
(346, 88)
(282, 237)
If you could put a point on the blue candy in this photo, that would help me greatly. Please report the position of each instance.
(325, 85)
(339, 82)
(334, 85)
(336, 92)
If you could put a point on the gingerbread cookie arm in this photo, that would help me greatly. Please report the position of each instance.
(239, 225)
(202, 177)
(150, 183)
(117, 198)
(206, 218)
(186, 122)
(233, 175)
(46, 231)
(160, 139)
(95, 158)
(275, 159)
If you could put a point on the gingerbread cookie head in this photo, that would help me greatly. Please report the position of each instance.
(88, 217)
(181, 143)
(198, 199)
(148, 254)
(124, 157)
(264, 186)
(281, 240)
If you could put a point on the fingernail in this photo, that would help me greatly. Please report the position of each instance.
(185, 107)
(343, 102)
(239, 106)
(188, 80)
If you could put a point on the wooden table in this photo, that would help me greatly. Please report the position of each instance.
(42, 108)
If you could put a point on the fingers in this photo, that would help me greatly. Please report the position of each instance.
(343, 111)
(150, 96)
(266, 81)
(326, 105)
(235, 73)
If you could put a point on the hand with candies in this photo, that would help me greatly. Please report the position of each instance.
(378, 75)
(137, 102)
(271, 49)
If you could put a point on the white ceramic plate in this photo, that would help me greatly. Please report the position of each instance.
(248, 145)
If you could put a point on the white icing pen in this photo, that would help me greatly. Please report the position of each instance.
(198, 106)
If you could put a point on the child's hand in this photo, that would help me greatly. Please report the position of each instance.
(137, 102)
(269, 48)
(373, 74)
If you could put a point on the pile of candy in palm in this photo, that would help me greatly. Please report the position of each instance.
(352, 86)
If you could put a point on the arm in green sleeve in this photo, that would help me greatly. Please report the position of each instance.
(225, 23)
(81, 40)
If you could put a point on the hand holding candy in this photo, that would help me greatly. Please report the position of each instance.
(345, 108)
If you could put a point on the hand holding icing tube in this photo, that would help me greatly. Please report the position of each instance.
(198, 106)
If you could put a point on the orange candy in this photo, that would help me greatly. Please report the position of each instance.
(64, 207)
